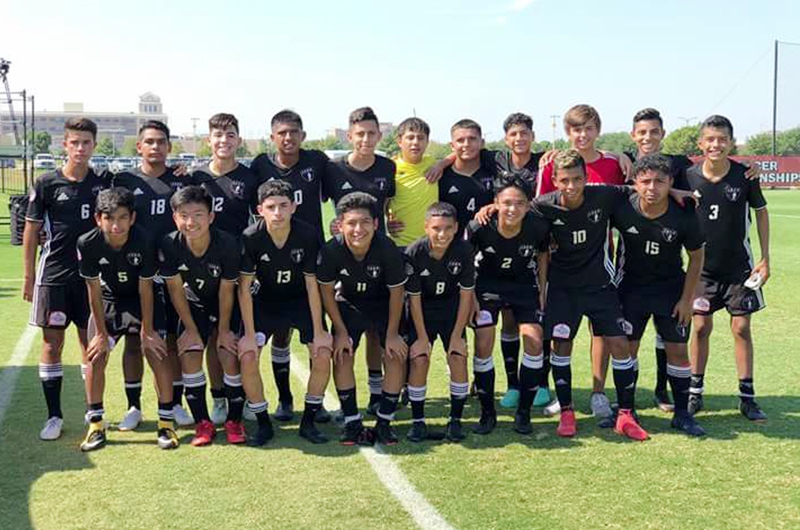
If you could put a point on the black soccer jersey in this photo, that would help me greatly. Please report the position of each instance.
(649, 252)
(363, 284)
(500, 161)
(678, 165)
(153, 212)
(439, 281)
(66, 210)
(118, 270)
(234, 196)
(467, 194)
(201, 275)
(509, 260)
(280, 271)
(581, 239)
(724, 214)
(308, 177)
(377, 180)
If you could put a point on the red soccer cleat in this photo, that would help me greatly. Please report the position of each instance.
(567, 425)
(234, 432)
(628, 426)
(204, 433)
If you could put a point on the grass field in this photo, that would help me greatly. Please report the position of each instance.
(741, 476)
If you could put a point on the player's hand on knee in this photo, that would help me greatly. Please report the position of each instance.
(458, 346)
(99, 346)
(226, 340)
(420, 347)
(342, 346)
(247, 344)
(396, 347)
(322, 344)
(152, 343)
(683, 311)
(190, 341)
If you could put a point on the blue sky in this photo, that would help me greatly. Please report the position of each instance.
(444, 59)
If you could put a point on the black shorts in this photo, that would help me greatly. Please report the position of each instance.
(521, 300)
(359, 322)
(273, 318)
(566, 307)
(163, 304)
(55, 306)
(639, 306)
(436, 325)
(735, 297)
(206, 321)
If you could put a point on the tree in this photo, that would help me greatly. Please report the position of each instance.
(243, 150)
(616, 142)
(438, 150)
(326, 144)
(203, 150)
(177, 147)
(498, 145)
(682, 141)
(388, 144)
(542, 147)
(266, 147)
(105, 146)
(128, 147)
(40, 142)
(787, 143)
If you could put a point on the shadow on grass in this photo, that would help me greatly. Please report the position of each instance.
(9, 292)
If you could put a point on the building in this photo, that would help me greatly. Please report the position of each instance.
(341, 134)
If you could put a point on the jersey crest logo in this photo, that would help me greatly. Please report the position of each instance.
(487, 183)
(214, 270)
(237, 188)
(307, 174)
(454, 267)
(373, 271)
(381, 182)
(96, 189)
(595, 215)
(732, 193)
(134, 258)
(669, 234)
(526, 251)
(297, 255)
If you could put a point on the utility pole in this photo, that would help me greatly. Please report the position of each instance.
(194, 134)
(554, 118)
(687, 121)
(775, 103)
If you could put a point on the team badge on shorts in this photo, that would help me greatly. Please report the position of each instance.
(701, 304)
(307, 174)
(214, 270)
(732, 193)
(561, 331)
(454, 267)
(134, 258)
(373, 271)
(595, 215)
(669, 234)
(297, 255)
(57, 318)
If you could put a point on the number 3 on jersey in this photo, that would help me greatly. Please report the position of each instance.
(713, 214)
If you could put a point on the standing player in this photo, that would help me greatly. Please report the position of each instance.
(650, 278)
(153, 184)
(369, 275)
(440, 292)
(201, 265)
(61, 203)
(580, 283)
(507, 251)
(281, 253)
(731, 278)
(234, 193)
(118, 263)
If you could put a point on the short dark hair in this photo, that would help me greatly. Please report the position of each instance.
(357, 200)
(441, 209)
(568, 159)
(716, 121)
(154, 124)
(648, 114)
(517, 118)
(414, 125)
(466, 123)
(223, 121)
(190, 195)
(580, 115)
(81, 125)
(109, 200)
(363, 114)
(288, 117)
(275, 188)
(506, 179)
(652, 162)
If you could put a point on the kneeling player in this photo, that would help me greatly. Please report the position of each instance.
(650, 277)
(506, 249)
(369, 273)
(200, 265)
(281, 252)
(440, 289)
(118, 264)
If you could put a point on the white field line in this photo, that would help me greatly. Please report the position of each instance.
(784, 215)
(424, 514)
(11, 371)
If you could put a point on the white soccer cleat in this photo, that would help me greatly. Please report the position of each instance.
(601, 407)
(553, 409)
(219, 411)
(52, 429)
(182, 418)
(131, 420)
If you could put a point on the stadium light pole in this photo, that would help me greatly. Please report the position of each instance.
(775, 96)
(687, 121)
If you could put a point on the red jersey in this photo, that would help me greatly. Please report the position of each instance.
(604, 170)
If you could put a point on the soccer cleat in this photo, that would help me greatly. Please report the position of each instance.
(683, 421)
(418, 432)
(486, 424)
(264, 434)
(338, 417)
(385, 433)
(131, 420)
(310, 432)
(52, 429)
(322, 416)
(454, 432)
(374, 404)
(234, 432)
(511, 399)
(695, 403)
(629, 427)
(219, 411)
(542, 397)
(248, 414)
(601, 408)
(182, 418)
(752, 411)
(662, 401)
(522, 422)
(284, 412)
(167, 439)
(95, 437)
(552, 409)
(204, 433)
(567, 425)
(352, 432)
